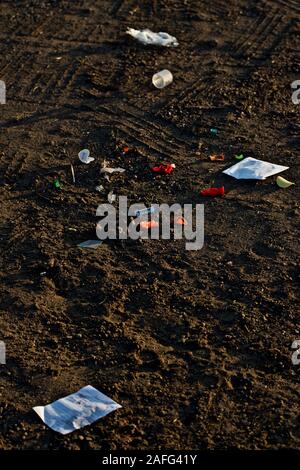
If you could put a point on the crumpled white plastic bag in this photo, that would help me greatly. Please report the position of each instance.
(251, 168)
(148, 37)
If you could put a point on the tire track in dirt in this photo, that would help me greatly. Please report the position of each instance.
(187, 10)
(135, 133)
(218, 9)
(291, 6)
(163, 127)
(196, 87)
(15, 165)
(264, 35)
(9, 64)
(253, 33)
(161, 137)
(30, 84)
(117, 4)
(122, 7)
(62, 82)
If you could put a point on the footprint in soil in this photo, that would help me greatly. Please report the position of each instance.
(265, 250)
(149, 361)
(188, 411)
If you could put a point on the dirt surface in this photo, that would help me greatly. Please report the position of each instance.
(196, 346)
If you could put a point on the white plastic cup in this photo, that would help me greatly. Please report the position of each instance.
(162, 79)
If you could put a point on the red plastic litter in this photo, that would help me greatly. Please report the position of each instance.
(163, 169)
(213, 192)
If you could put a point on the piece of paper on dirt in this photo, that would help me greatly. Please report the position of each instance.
(107, 169)
(111, 197)
(251, 168)
(77, 410)
(148, 37)
(90, 244)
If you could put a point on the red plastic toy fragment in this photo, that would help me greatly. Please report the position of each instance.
(211, 192)
(163, 169)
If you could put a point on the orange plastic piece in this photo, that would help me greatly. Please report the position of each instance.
(180, 221)
(217, 158)
(149, 224)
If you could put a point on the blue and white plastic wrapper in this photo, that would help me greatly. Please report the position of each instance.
(90, 244)
(149, 210)
(77, 410)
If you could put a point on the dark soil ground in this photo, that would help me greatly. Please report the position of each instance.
(195, 345)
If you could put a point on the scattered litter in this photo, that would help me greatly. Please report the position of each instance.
(213, 131)
(148, 210)
(73, 173)
(125, 150)
(213, 192)
(90, 244)
(162, 79)
(77, 410)
(198, 151)
(111, 197)
(106, 169)
(283, 183)
(180, 221)
(164, 169)
(84, 156)
(239, 157)
(217, 158)
(100, 188)
(149, 224)
(251, 168)
(56, 183)
(148, 37)
(2, 353)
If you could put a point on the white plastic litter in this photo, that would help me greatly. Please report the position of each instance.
(2, 353)
(111, 197)
(77, 410)
(106, 169)
(73, 173)
(100, 188)
(90, 244)
(147, 37)
(162, 78)
(251, 168)
(84, 156)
